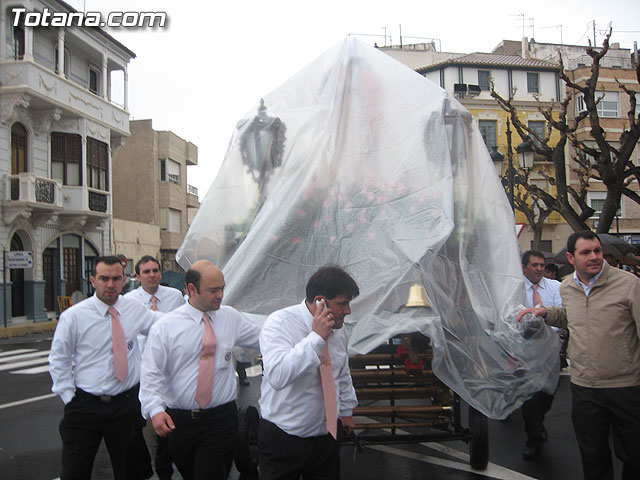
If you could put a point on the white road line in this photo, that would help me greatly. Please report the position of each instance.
(13, 352)
(26, 363)
(492, 470)
(31, 371)
(41, 353)
(28, 400)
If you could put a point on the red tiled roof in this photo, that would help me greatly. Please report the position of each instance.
(493, 60)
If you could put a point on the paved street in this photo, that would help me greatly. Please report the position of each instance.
(30, 445)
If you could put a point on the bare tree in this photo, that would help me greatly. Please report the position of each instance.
(611, 165)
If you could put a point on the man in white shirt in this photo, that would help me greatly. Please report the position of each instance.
(95, 367)
(297, 413)
(539, 291)
(150, 293)
(188, 383)
(162, 299)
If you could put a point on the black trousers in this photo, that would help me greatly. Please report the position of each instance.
(594, 411)
(533, 412)
(203, 443)
(89, 419)
(164, 463)
(288, 457)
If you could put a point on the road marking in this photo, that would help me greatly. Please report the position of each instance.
(31, 371)
(492, 470)
(13, 352)
(25, 363)
(28, 400)
(40, 353)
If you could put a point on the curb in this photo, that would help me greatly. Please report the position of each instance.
(23, 329)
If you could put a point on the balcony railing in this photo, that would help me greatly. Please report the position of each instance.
(191, 190)
(98, 202)
(29, 188)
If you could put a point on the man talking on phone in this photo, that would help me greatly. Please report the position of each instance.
(307, 394)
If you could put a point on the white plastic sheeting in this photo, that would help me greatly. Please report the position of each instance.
(360, 161)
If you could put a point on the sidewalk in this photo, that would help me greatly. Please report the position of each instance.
(27, 328)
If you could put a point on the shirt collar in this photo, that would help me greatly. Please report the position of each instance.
(103, 308)
(306, 314)
(147, 296)
(195, 314)
(529, 284)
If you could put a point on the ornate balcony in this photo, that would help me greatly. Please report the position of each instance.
(30, 196)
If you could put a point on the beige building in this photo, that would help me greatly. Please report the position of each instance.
(532, 69)
(152, 203)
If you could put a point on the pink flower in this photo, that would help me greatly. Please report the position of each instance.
(349, 227)
(302, 213)
(296, 240)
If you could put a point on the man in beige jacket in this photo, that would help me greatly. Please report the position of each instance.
(601, 309)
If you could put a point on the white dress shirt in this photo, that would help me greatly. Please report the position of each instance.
(549, 291)
(291, 392)
(168, 298)
(170, 362)
(82, 351)
(592, 282)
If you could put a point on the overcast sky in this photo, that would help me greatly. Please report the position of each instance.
(204, 71)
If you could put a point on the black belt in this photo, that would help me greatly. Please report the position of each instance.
(203, 413)
(106, 398)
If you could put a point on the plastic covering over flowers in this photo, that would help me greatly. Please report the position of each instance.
(360, 161)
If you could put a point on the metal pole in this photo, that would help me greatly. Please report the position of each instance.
(4, 285)
(510, 170)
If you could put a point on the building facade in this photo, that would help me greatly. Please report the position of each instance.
(150, 173)
(59, 124)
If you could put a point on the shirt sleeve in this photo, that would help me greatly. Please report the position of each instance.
(248, 334)
(148, 318)
(61, 359)
(283, 360)
(152, 376)
(556, 317)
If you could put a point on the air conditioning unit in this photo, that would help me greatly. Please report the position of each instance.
(460, 89)
(473, 90)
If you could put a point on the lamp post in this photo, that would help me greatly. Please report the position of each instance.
(525, 159)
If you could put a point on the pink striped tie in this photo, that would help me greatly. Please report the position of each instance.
(154, 303)
(329, 392)
(120, 366)
(537, 299)
(206, 368)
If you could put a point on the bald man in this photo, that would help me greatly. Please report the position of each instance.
(188, 385)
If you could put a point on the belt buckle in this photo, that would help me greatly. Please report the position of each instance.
(105, 399)
(195, 414)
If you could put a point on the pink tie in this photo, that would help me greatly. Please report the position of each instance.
(329, 392)
(537, 299)
(206, 368)
(120, 367)
(154, 303)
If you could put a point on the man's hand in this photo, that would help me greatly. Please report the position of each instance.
(348, 424)
(536, 311)
(162, 424)
(323, 319)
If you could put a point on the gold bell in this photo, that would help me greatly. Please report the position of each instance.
(418, 297)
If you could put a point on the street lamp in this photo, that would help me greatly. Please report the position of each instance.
(525, 155)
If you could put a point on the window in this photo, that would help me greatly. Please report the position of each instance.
(97, 164)
(488, 130)
(67, 60)
(18, 149)
(170, 220)
(608, 105)
(484, 79)
(66, 158)
(596, 201)
(533, 82)
(94, 80)
(169, 171)
(637, 103)
(538, 127)
(18, 43)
